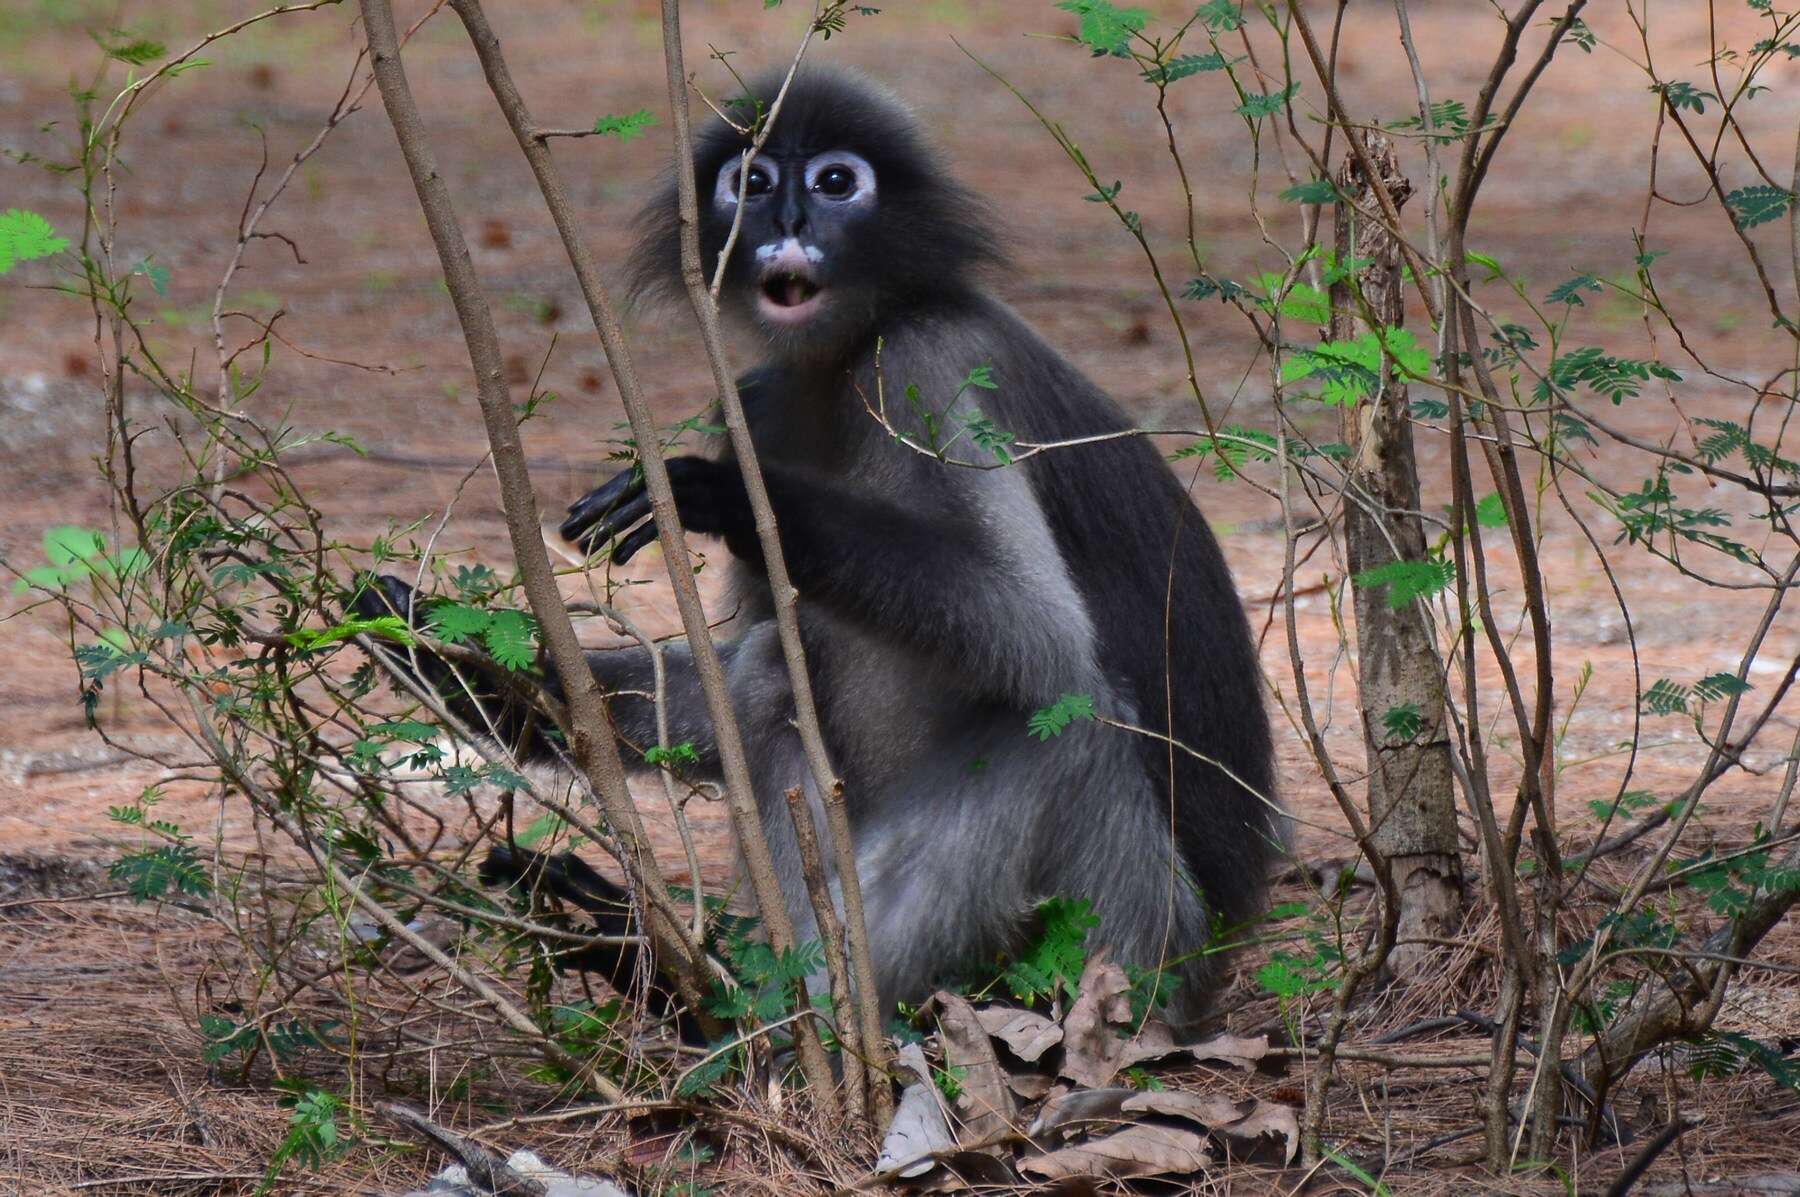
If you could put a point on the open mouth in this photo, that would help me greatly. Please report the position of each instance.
(787, 296)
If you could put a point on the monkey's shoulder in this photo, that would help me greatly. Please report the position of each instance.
(991, 360)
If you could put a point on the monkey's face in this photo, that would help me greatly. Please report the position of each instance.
(846, 220)
(797, 270)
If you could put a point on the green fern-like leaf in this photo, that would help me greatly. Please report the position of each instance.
(150, 874)
(1407, 581)
(627, 127)
(1054, 719)
(455, 623)
(26, 236)
(511, 637)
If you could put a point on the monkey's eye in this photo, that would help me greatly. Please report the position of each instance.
(842, 176)
(764, 175)
(836, 180)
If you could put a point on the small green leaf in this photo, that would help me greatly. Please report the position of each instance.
(1206, 286)
(1182, 67)
(1410, 580)
(626, 128)
(675, 755)
(136, 51)
(1256, 107)
(1403, 722)
(1570, 292)
(1103, 28)
(386, 627)
(1220, 16)
(1314, 191)
(71, 543)
(25, 236)
(511, 637)
(158, 275)
(456, 622)
(1665, 697)
(1751, 206)
(1490, 512)
(539, 830)
(1053, 719)
(981, 376)
(150, 874)
(1717, 686)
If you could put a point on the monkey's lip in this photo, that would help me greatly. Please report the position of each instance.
(788, 296)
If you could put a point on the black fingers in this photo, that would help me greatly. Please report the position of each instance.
(632, 541)
(709, 497)
(607, 510)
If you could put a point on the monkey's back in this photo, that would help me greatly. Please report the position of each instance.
(1172, 635)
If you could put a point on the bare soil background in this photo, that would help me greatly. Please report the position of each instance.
(100, 1074)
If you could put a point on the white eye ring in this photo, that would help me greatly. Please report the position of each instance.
(856, 164)
(725, 189)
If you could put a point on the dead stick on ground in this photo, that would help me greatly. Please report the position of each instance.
(485, 1168)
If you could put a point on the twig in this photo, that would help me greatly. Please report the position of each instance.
(783, 596)
(1646, 1156)
(590, 737)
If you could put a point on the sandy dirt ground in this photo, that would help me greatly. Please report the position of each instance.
(356, 281)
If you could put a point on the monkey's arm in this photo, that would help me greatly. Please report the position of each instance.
(967, 572)
(487, 698)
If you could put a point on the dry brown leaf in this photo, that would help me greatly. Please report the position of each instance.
(1247, 1122)
(985, 1104)
(1092, 1051)
(1026, 1033)
(1143, 1150)
(1032, 1086)
(919, 1129)
(1078, 1110)
(1156, 1041)
(1264, 1120)
(1209, 1110)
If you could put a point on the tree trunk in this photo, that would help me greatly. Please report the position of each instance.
(1411, 796)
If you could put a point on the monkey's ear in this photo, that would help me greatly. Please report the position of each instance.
(654, 272)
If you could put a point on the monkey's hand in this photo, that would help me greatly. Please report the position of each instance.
(709, 497)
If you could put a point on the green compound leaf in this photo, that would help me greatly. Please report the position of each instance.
(150, 874)
(1751, 206)
(1105, 29)
(454, 623)
(1053, 719)
(1404, 721)
(626, 128)
(26, 236)
(1255, 107)
(1182, 67)
(511, 637)
(1409, 580)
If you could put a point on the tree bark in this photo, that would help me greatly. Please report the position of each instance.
(1411, 789)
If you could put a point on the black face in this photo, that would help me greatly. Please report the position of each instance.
(805, 219)
(848, 217)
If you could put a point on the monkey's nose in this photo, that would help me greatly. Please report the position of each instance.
(791, 220)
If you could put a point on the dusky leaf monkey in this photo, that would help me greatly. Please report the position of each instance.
(946, 596)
